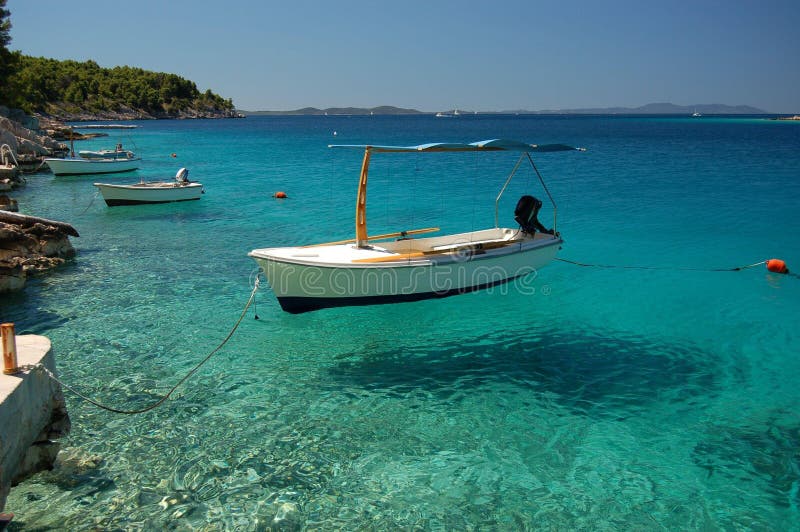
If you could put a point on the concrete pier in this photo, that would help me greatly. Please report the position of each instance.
(32, 415)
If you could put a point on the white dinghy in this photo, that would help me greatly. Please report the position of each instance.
(95, 162)
(363, 271)
(179, 189)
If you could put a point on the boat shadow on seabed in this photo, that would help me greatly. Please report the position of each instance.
(580, 369)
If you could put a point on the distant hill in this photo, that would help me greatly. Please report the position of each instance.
(649, 109)
(659, 109)
(381, 110)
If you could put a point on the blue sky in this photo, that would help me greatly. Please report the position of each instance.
(435, 55)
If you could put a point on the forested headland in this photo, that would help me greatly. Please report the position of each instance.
(72, 90)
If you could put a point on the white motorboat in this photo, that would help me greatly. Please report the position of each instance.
(96, 165)
(179, 189)
(94, 162)
(370, 270)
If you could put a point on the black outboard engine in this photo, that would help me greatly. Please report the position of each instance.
(527, 215)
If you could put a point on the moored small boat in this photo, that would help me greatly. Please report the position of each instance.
(179, 189)
(82, 166)
(94, 162)
(361, 272)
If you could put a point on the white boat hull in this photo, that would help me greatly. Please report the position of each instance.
(154, 192)
(78, 166)
(312, 278)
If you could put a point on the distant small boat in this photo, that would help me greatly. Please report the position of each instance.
(179, 189)
(696, 114)
(442, 114)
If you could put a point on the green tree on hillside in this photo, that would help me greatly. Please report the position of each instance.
(7, 59)
(87, 86)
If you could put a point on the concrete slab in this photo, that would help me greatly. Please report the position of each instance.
(32, 415)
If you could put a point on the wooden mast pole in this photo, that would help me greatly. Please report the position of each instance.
(361, 202)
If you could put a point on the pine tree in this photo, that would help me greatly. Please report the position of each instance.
(7, 59)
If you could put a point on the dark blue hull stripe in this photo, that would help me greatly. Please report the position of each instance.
(298, 305)
(120, 202)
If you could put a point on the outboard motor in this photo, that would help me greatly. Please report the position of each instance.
(182, 176)
(527, 215)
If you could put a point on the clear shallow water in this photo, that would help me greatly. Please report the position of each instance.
(608, 399)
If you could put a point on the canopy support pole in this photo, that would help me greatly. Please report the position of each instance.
(497, 200)
(541, 180)
(361, 203)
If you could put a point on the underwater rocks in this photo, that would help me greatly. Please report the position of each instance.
(30, 245)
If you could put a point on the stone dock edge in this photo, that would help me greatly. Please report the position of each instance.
(33, 415)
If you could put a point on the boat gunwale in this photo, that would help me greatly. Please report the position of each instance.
(91, 161)
(450, 257)
(139, 187)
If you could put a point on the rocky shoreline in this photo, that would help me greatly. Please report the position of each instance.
(28, 245)
(25, 136)
(60, 113)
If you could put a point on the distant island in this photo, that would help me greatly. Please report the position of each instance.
(382, 110)
(663, 109)
(649, 109)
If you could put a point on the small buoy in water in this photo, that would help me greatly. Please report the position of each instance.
(173, 155)
(280, 195)
(777, 266)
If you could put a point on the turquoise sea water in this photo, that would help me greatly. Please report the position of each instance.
(605, 399)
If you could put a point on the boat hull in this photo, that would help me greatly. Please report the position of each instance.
(119, 195)
(92, 166)
(305, 286)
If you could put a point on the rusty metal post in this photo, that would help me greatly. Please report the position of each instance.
(9, 349)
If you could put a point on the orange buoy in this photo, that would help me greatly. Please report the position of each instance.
(280, 195)
(777, 266)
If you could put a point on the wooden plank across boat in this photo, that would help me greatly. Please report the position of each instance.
(368, 270)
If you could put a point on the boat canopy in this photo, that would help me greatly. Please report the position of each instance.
(483, 145)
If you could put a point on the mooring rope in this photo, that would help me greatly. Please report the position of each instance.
(90, 203)
(684, 269)
(165, 397)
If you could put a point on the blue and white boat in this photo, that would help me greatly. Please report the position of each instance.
(397, 267)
